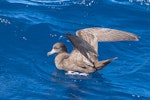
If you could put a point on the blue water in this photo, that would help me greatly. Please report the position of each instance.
(29, 28)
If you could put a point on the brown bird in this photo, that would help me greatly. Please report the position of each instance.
(84, 57)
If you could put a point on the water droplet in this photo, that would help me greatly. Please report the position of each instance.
(24, 38)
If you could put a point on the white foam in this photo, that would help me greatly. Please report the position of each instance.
(76, 73)
(2, 20)
(53, 2)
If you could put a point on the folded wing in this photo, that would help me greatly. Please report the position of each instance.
(81, 45)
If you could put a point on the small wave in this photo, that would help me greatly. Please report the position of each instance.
(120, 2)
(28, 17)
(127, 2)
(53, 2)
(142, 2)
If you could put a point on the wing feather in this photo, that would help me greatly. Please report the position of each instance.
(95, 35)
(107, 34)
(81, 45)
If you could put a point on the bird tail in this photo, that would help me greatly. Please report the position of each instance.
(101, 64)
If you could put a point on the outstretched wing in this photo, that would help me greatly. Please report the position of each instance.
(106, 34)
(95, 35)
(81, 45)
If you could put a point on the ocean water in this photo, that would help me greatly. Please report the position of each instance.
(29, 28)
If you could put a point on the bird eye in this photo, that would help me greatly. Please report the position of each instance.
(56, 48)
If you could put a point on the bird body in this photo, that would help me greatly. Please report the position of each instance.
(84, 57)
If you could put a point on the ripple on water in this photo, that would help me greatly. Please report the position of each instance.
(53, 2)
(126, 2)
(26, 72)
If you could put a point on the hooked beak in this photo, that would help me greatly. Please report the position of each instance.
(51, 52)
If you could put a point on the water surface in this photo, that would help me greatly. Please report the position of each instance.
(29, 28)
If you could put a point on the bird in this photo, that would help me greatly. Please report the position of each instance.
(84, 57)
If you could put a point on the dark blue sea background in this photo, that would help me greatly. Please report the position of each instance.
(29, 28)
